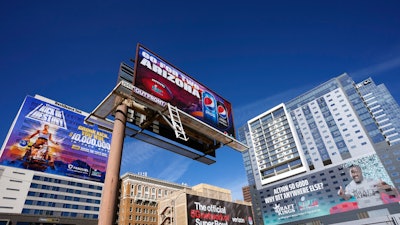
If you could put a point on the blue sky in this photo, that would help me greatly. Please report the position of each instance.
(256, 54)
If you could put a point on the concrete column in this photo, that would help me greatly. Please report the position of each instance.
(109, 198)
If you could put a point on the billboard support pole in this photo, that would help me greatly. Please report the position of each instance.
(107, 214)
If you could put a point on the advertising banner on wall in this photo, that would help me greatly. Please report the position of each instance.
(211, 211)
(356, 184)
(51, 137)
(157, 80)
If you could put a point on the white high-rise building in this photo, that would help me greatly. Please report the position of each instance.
(275, 146)
(301, 150)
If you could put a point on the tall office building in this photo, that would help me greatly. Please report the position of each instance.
(303, 148)
(383, 108)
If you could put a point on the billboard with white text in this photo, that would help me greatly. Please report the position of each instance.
(161, 82)
(203, 210)
(51, 137)
(359, 183)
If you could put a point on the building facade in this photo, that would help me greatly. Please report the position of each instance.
(139, 197)
(33, 197)
(383, 108)
(301, 151)
(250, 165)
(204, 204)
(246, 194)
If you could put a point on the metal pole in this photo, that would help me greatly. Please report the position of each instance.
(110, 190)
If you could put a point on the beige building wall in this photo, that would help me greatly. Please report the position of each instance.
(209, 191)
(139, 197)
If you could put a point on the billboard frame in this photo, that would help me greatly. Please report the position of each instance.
(51, 137)
(124, 92)
(161, 79)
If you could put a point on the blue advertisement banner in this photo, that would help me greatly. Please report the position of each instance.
(50, 137)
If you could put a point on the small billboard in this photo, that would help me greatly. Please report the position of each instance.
(160, 82)
(201, 210)
(51, 137)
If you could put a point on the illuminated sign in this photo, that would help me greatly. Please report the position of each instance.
(203, 210)
(356, 184)
(159, 82)
(51, 137)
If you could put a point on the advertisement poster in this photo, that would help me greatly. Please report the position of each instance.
(211, 211)
(356, 184)
(160, 82)
(51, 137)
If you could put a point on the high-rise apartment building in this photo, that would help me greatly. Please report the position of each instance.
(275, 146)
(301, 150)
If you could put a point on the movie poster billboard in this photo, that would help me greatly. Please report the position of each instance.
(203, 210)
(51, 137)
(160, 82)
(356, 184)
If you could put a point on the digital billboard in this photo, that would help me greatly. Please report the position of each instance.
(158, 81)
(356, 184)
(201, 210)
(51, 137)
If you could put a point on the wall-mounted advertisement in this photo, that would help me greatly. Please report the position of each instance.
(211, 211)
(356, 184)
(160, 82)
(51, 137)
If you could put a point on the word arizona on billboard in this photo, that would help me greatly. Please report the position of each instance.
(50, 137)
(162, 81)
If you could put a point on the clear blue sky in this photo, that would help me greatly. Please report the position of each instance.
(256, 54)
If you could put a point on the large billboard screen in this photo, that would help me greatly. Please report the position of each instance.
(201, 210)
(51, 137)
(161, 82)
(356, 184)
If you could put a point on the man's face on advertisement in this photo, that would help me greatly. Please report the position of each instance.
(356, 174)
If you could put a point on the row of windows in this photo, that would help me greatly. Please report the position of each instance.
(144, 203)
(61, 205)
(56, 213)
(67, 182)
(63, 197)
(143, 210)
(148, 192)
(62, 189)
(144, 218)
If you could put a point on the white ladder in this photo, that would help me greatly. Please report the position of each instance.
(176, 122)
